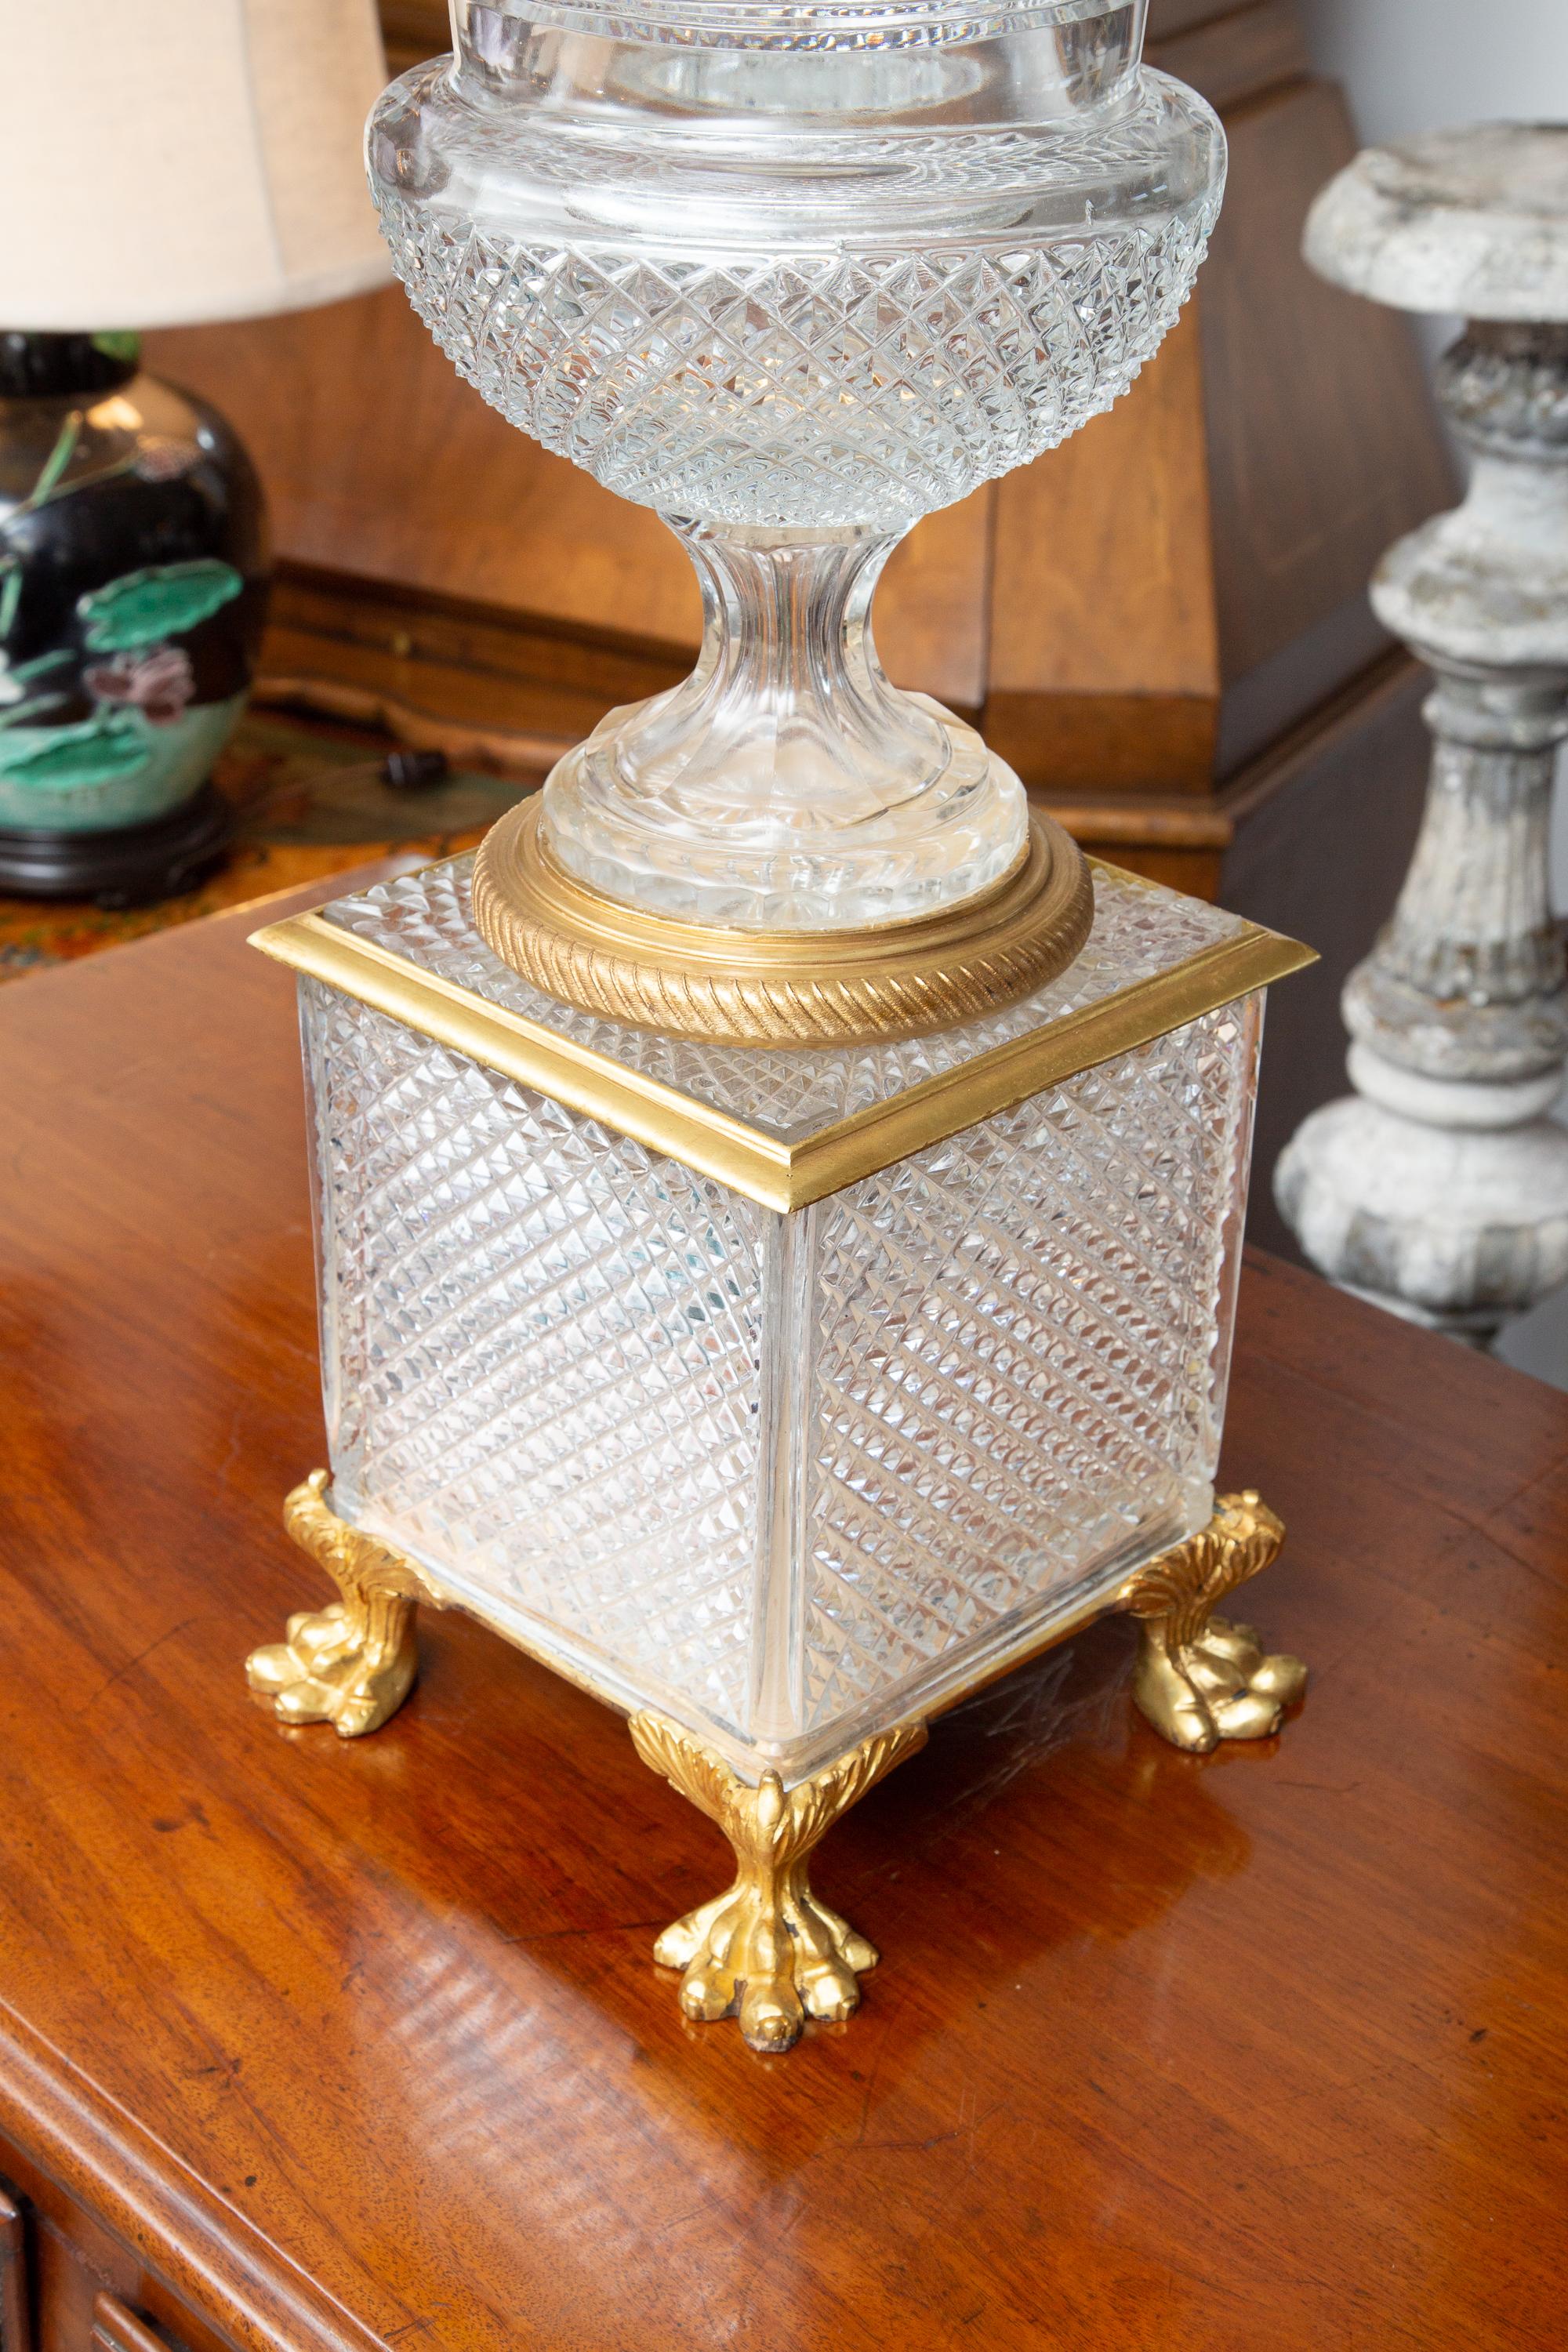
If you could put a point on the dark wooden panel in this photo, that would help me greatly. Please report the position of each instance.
(15, 2302)
(484, 683)
(68, 2284)
(1104, 663)
(413, 30)
(75, 2259)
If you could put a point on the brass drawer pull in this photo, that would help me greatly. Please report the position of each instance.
(116, 2328)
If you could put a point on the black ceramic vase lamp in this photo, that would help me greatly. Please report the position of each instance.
(133, 540)
(132, 589)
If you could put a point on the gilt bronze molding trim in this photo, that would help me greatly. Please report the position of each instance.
(780, 988)
(780, 1174)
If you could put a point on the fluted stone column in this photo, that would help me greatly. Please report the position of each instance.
(1440, 1187)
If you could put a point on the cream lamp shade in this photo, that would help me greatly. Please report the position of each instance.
(168, 161)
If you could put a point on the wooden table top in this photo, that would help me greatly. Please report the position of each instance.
(364, 2041)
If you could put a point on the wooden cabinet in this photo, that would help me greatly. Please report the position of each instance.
(116, 2328)
(322, 2045)
(15, 2332)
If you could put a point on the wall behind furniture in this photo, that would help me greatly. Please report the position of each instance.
(1412, 65)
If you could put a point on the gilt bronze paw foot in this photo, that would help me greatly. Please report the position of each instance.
(1201, 1679)
(353, 1663)
(767, 1952)
(770, 1962)
(331, 1668)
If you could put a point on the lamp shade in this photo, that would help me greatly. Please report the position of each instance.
(184, 160)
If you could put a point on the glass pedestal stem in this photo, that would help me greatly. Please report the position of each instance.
(787, 785)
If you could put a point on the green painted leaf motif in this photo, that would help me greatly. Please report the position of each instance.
(143, 608)
(21, 714)
(42, 662)
(59, 759)
(57, 461)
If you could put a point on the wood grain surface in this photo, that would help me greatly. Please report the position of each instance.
(356, 2043)
(1103, 595)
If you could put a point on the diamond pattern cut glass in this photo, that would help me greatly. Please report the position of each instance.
(831, 395)
(784, 1474)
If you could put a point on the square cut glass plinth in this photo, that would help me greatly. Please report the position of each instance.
(785, 1468)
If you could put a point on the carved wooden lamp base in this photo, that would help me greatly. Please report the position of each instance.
(767, 1951)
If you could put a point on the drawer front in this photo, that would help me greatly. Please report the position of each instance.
(15, 2317)
(68, 2284)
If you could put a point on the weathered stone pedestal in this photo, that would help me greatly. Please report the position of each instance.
(1440, 1187)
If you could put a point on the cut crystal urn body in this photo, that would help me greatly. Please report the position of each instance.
(778, 1212)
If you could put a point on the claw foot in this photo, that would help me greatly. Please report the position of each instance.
(1221, 1686)
(350, 1664)
(328, 1671)
(767, 1952)
(772, 1963)
(1201, 1679)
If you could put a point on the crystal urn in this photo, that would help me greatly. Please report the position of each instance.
(778, 1208)
(793, 275)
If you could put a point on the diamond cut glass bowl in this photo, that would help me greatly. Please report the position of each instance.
(794, 275)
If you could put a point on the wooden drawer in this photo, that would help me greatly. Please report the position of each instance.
(69, 2284)
(15, 2331)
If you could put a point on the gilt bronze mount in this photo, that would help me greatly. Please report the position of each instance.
(768, 1951)
(780, 987)
(353, 1663)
